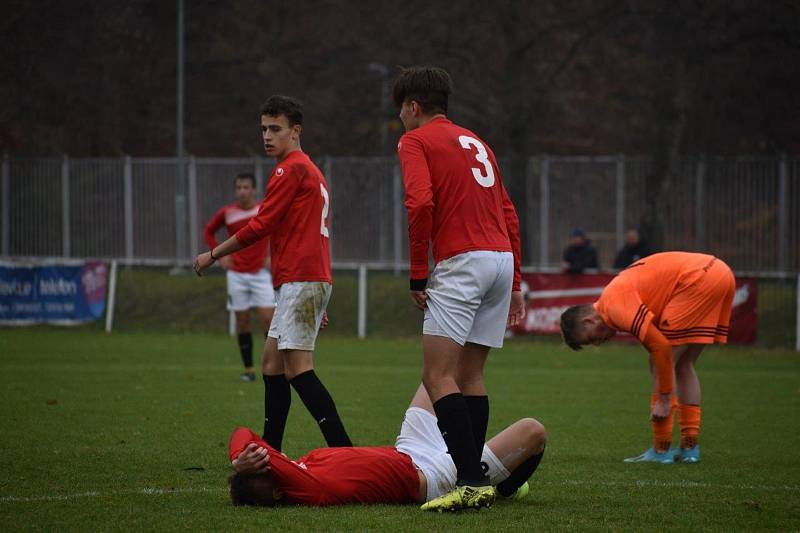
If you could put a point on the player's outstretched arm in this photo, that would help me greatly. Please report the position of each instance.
(206, 259)
(661, 352)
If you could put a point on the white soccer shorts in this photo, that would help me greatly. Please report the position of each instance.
(421, 439)
(247, 290)
(469, 296)
(299, 314)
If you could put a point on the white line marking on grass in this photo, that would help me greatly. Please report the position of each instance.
(147, 491)
(675, 484)
(155, 491)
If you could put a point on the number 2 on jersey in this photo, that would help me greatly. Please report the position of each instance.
(487, 179)
(322, 228)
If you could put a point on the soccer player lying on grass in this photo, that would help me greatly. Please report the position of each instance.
(674, 303)
(416, 470)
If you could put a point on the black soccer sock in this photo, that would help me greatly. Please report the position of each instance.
(246, 349)
(320, 404)
(277, 400)
(520, 475)
(479, 416)
(454, 423)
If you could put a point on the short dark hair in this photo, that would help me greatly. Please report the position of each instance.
(277, 105)
(252, 489)
(571, 324)
(428, 86)
(246, 176)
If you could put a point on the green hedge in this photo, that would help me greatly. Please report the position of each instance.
(154, 299)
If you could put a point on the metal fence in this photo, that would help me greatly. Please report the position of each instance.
(743, 209)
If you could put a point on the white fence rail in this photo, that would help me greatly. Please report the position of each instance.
(744, 209)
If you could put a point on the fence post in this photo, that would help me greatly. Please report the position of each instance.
(258, 172)
(397, 218)
(193, 237)
(700, 205)
(6, 207)
(544, 212)
(128, 207)
(529, 220)
(620, 221)
(328, 166)
(180, 212)
(783, 234)
(797, 317)
(112, 296)
(383, 251)
(362, 301)
(65, 216)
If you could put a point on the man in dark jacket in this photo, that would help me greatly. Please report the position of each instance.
(580, 254)
(634, 249)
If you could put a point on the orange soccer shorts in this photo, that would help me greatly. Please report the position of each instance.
(699, 311)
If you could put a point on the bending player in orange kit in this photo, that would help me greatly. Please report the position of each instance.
(674, 303)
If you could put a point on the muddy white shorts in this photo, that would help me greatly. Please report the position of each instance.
(469, 296)
(298, 314)
(421, 439)
(247, 290)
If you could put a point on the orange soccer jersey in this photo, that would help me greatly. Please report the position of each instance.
(687, 297)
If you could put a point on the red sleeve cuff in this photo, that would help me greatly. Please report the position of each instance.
(246, 236)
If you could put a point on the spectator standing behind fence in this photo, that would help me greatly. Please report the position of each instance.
(248, 278)
(580, 254)
(634, 249)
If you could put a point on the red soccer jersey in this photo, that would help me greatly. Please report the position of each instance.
(234, 218)
(294, 215)
(454, 196)
(336, 476)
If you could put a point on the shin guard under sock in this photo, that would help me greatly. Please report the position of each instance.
(246, 348)
(689, 422)
(662, 429)
(520, 475)
(319, 403)
(479, 416)
(454, 423)
(277, 400)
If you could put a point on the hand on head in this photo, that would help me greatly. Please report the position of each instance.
(253, 460)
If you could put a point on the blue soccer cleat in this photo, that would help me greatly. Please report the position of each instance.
(689, 455)
(652, 456)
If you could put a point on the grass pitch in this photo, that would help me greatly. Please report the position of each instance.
(129, 432)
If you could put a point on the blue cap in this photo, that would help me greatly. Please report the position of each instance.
(577, 232)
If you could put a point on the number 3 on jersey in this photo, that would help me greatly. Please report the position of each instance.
(322, 228)
(487, 179)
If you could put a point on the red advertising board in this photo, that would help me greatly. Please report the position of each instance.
(548, 295)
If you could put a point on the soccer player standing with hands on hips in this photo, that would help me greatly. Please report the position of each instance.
(455, 199)
(294, 215)
(249, 280)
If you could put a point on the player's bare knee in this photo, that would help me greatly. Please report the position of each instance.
(684, 367)
(271, 359)
(432, 378)
(535, 434)
(295, 363)
(470, 382)
(242, 323)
